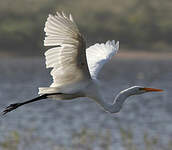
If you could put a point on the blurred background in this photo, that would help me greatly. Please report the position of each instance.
(144, 29)
(139, 25)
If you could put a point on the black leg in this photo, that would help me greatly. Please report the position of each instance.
(16, 105)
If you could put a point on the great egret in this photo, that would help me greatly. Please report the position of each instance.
(75, 68)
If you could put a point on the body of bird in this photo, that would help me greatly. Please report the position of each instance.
(75, 68)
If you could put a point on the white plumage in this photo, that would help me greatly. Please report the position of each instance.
(75, 68)
(99, 54)
(72, 66)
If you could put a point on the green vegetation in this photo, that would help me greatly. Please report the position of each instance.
(86, 139)
(136, 23)
(11, 142)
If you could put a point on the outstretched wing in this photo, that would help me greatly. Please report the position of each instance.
(68, 56)
(99, 54)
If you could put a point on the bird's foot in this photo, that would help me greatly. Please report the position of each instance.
(10, 108)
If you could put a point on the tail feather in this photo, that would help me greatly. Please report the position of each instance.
(48, 90)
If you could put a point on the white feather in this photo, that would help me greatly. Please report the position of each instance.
(99, 54)
(68, 59)
(68, 75)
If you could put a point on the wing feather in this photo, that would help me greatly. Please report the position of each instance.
(68, 57)
(99, 54)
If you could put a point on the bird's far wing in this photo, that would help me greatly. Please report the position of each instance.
(67, 57)
(99, 54)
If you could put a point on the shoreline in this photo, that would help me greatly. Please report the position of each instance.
(143, 55)
(122, 54)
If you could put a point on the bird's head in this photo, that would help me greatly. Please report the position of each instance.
(136, 90)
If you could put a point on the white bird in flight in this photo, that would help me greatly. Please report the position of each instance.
(75, 68)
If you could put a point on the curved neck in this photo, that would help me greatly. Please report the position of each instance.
(118, 102)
